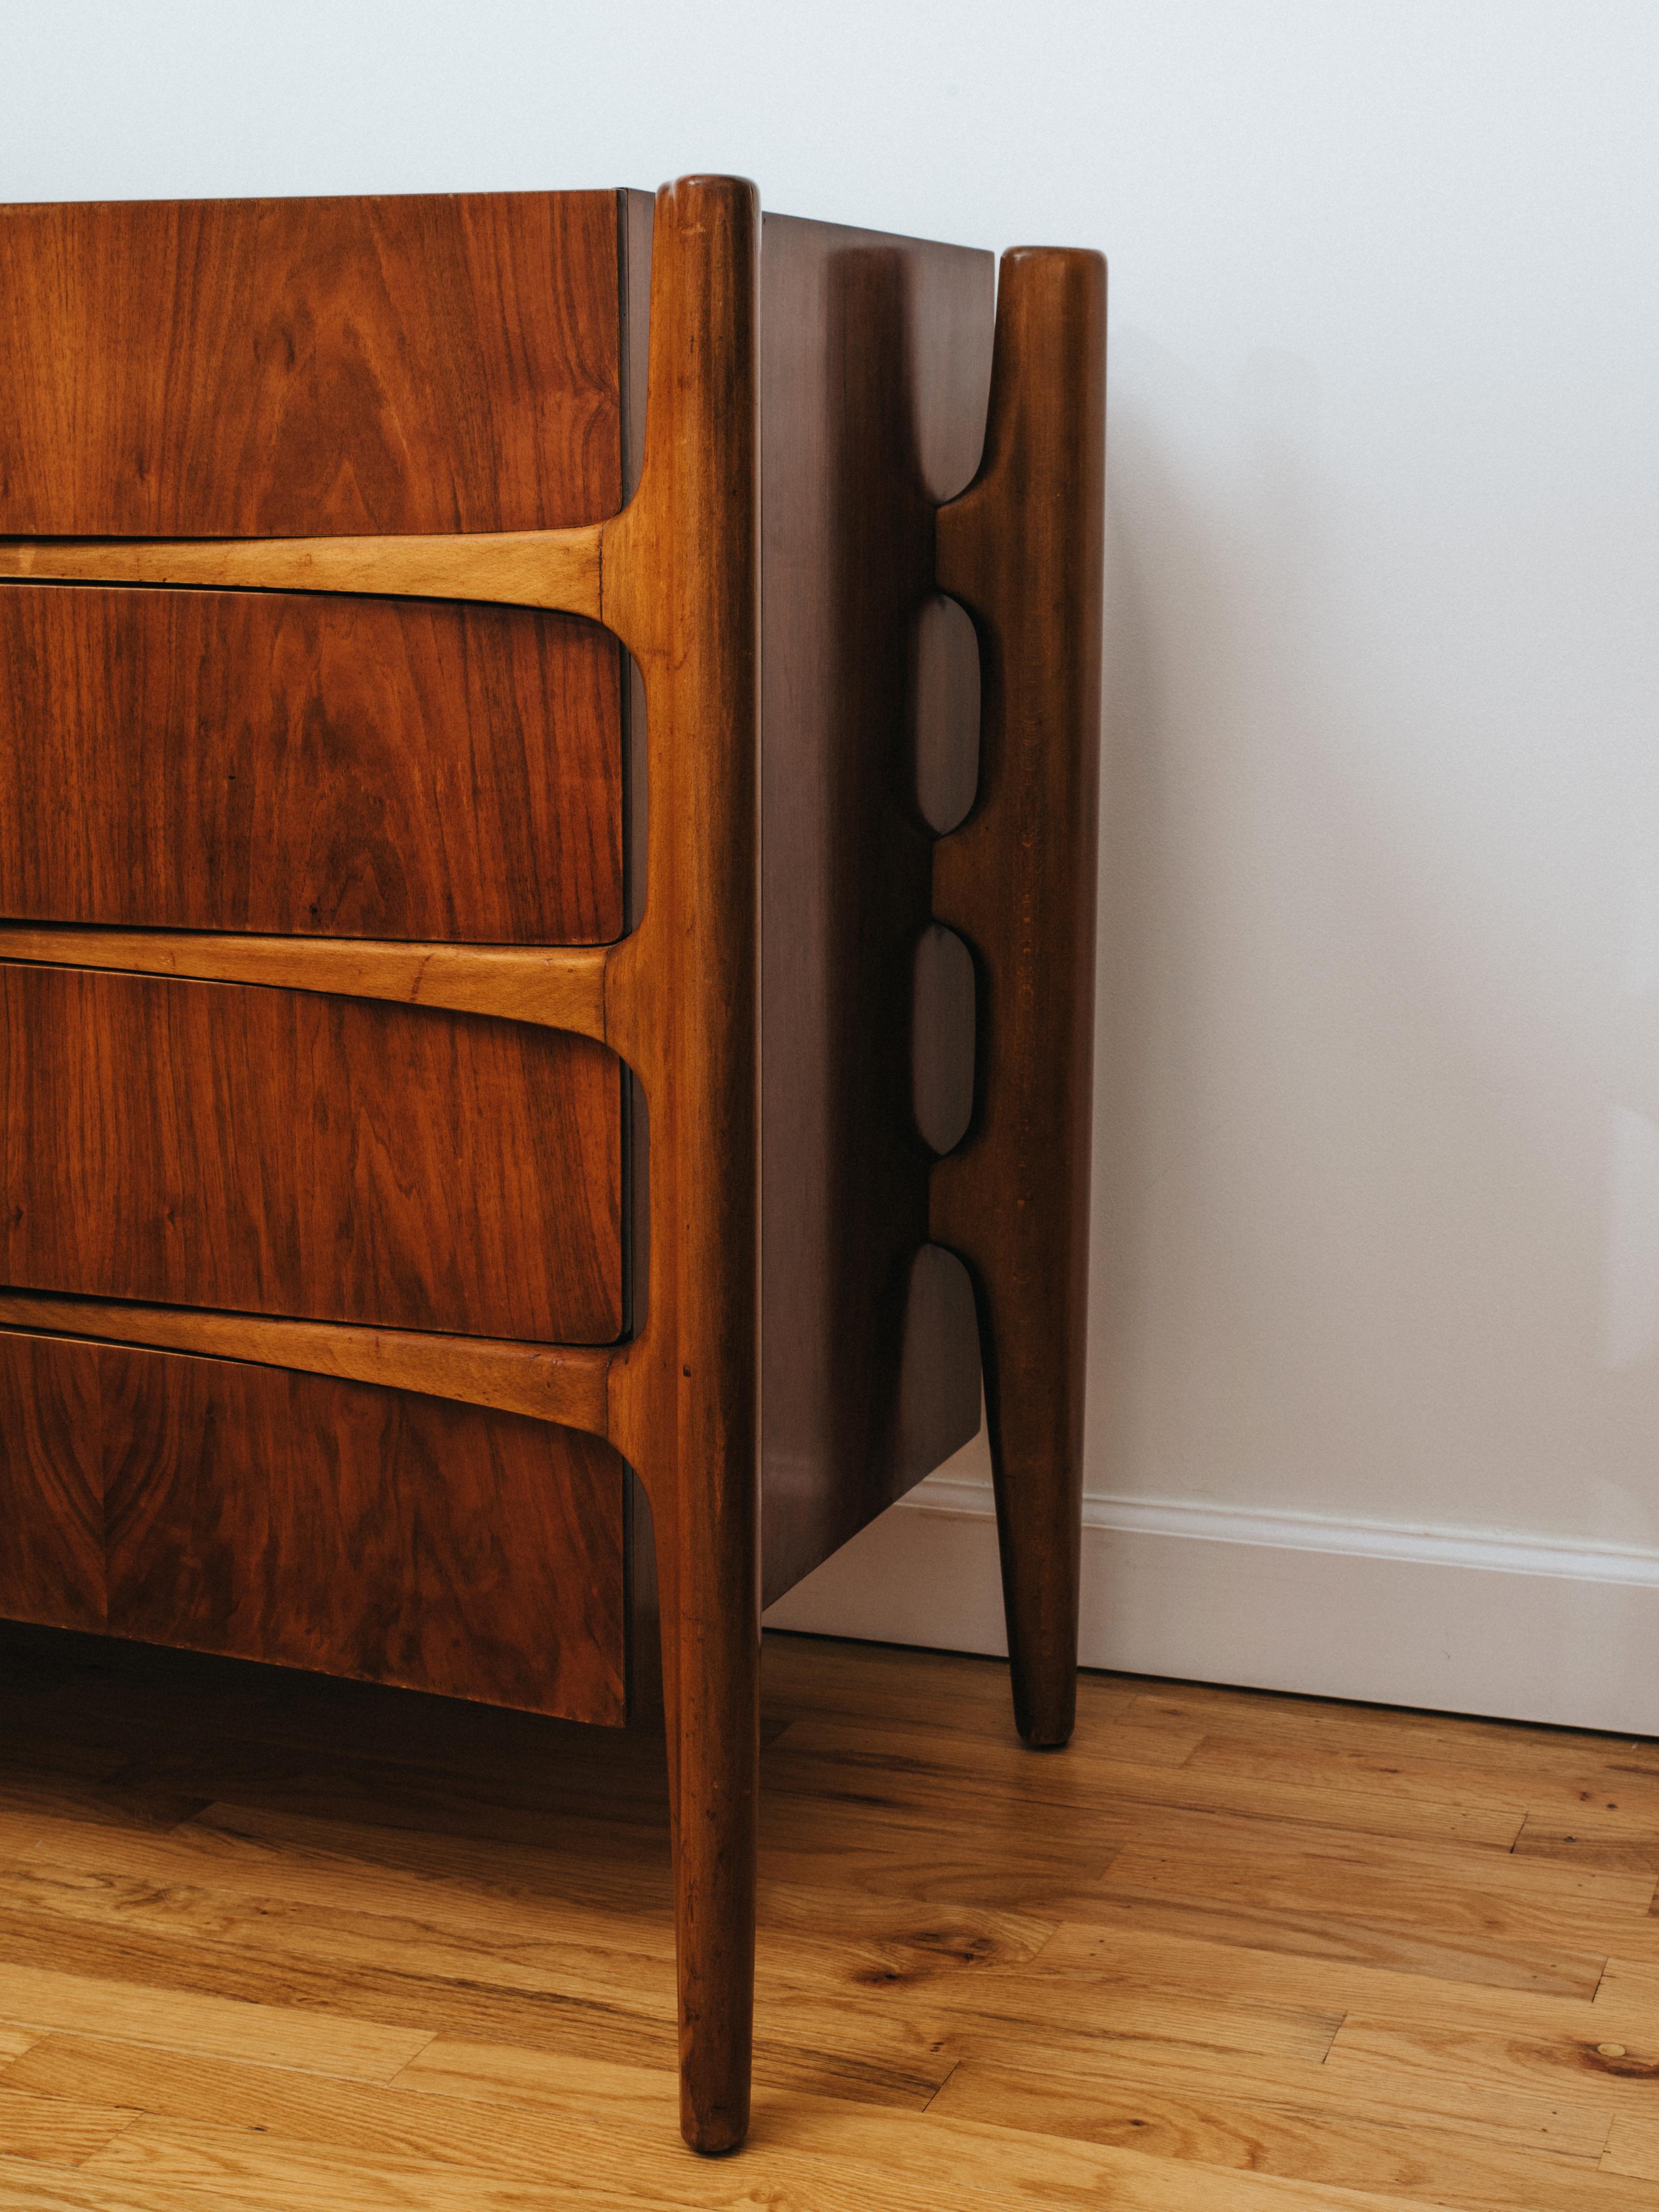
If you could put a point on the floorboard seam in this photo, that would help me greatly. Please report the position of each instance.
(928, 2107)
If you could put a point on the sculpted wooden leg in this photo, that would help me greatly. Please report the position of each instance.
(1021, 549)
(711, 1699)
(682, 587)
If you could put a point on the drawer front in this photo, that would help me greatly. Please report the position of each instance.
(241, 760)
(354, 768)
(280, 368)
(275, 1151)
(310, 1522)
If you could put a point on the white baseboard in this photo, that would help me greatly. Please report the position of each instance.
(1450, 1620)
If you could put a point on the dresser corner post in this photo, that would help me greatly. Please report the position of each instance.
(681, 585)
(1022, 549)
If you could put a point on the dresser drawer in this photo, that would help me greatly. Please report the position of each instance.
(278, 368)
(297, 765)
(284, 1152)
(247, 761)
(312, 1522)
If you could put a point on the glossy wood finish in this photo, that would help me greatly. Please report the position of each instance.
(276, 368)
(315, 1522)
(568, 1384)
(522, 568)
(363, 1532)
(1022, 550)
(561, 988)
(275, 1940)
(875, 365)
(51, 1503)
(682, 1006)
(331, 766)
(291, 1153)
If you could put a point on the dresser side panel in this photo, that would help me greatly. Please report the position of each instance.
(876, 355)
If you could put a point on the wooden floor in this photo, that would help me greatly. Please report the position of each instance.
(270, 1941)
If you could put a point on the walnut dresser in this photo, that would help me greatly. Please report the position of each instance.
(547, 791)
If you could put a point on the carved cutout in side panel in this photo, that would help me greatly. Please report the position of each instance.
(275, 1151)
(876, 362)
(297, 765)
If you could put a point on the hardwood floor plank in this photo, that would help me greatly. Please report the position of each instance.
(1207, 2125)
(1457, 1914)
(37, 1998)
(1593, 1783)
(27, 2187)
(1580, 1843)
(1612, 2067)
(57, 2130)
(1630, 1982)
(915, 1768)
(1072, 2021)
(1153, 1956)
(1351, 1939)
(1192, 2074)
(1633, 2148)
(1487, 1747)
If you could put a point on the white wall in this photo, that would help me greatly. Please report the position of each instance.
(1376, 1352)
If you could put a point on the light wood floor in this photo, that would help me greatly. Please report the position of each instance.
(268, 1941)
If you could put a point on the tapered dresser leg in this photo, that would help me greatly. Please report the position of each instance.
(711, 1689)
(1033, 1412)
(1021, 549)
(681, 586)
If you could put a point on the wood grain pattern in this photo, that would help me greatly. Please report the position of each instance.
(56, 2130)
(341, 767)
(1022, 549)
(364, 1531)
(560, 988)
(314, 1522)
(560, 1383)
(51, 1557)
(276, 1152)
(522, 568)
(683, 1010)
(287, 367)
(1633, 2148)
(412, 1949)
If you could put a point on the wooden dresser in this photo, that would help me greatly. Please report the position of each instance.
(547, 795)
